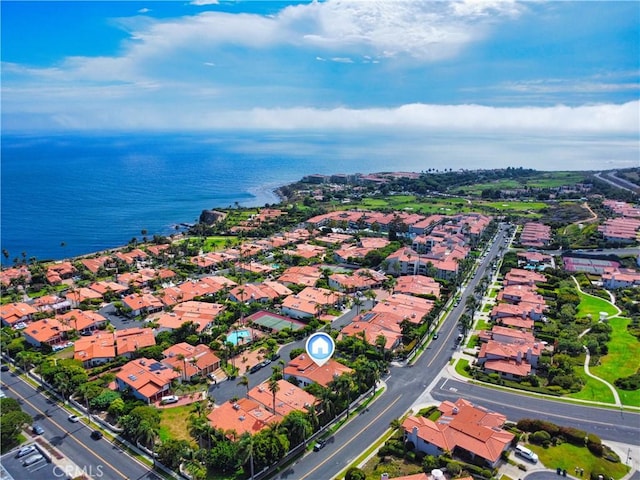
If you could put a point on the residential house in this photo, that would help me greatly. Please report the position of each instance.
(620, 278)
(201, 314)
(243, 416)
(96, 349)
(372, 325)
(146, 379)
(13, 314)
(288, 398)
(82, 321)
(60, 271)
(142, 304)
(358, 281)
(49, 331)
(417, 285)
(191, 360)
(77, 296)
(306, 371)
(462, 428)
(129, 340)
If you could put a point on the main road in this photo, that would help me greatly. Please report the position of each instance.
(100, 457)
(427, 380)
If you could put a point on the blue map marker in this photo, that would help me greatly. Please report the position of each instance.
(320, 347)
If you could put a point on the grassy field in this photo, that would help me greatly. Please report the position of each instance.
(590, 305)
(623, 359)
(568, 457)
(174, 423)
(593, 390)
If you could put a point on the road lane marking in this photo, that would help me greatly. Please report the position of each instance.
(68, 434)
(353, 438)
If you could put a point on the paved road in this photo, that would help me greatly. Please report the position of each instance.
(73, 439)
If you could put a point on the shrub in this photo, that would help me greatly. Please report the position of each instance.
(573, 435)
(540, 437)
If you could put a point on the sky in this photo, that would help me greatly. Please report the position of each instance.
(494, 67)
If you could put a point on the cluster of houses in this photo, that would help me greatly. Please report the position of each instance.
(510, 348)
(625, 228)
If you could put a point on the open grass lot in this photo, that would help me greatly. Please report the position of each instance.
(174, 423)
(623, 359)
(520, 207)
(593, 306)
(413, 204)
(219, 242)
(504, 184)
(568, 457)
(556, 179)
(395, 467)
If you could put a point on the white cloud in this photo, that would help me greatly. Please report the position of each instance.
(144, 10)
(204, 2)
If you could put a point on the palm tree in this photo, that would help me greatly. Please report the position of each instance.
(147, 434)
(274, 388)
(244, 380)
(246, 446)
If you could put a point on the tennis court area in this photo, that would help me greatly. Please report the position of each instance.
(275, 322)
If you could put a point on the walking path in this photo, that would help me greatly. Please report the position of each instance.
(587, 358)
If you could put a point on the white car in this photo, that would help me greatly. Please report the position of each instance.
(524, 452)
(73, 418)
(26, 451)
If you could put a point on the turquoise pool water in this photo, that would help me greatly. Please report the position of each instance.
(238, 335)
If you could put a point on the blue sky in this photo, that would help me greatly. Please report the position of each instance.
(365, 65)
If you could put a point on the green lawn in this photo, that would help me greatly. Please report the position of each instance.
(623, 359)
(593, 390)
(174, 423)
(516, 206)
(590, 305)
(482, 325)
(567, 457)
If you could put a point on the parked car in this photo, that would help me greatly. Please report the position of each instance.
(73, 418)
(26, 450)
(169, 399)
(255, 368)
(4, 368)
(37, 429)
(319, 445)
(32, 459)
(435, 336)
(524, 452)
(96, 434)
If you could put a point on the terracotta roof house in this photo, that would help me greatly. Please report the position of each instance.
(19, 274)
(535, 235)
(95, 264)
(107, 287)
(134, 279)
(358, 281)
(147, 379)
(60, 271)
(201, 314)
(131, 256)
(259, 292)
(243, 416)
(96, 349)
(82, 294)
(518, 353)
(305, 250)
(158, 250)
(306, 371)
(142, 304)
(374, 324)
(417, 285)
(524, 310)
(462, 427)
(519, 276)
(412, 309)
(334, 238)
(620, 278)
(46, 331)
(129, 340)
(305, 275)
(190, 360)
(13, 313)
(309, 302)
(288, 397)
(622, 230)
(51, 303)
(82, 321)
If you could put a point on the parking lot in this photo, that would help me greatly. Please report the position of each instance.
(41, 469)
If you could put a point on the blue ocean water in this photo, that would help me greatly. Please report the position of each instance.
(93, 192)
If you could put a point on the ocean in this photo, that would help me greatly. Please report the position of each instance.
(69, 195)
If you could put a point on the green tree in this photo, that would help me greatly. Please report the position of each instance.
(296, 427)
(172, 452)
(354, 473)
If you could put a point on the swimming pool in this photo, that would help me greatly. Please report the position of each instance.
(239, 336)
